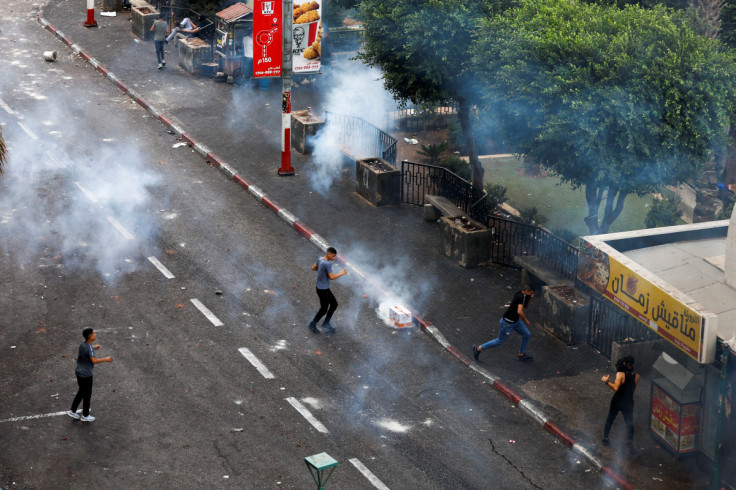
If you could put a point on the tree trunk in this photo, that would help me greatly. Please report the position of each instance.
(467, 127)
(593, 195)
(612, 212)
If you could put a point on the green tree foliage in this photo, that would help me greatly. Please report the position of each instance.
(614, 101)
(531, 216)
(421, 48)
(432, 153)
(664, 212)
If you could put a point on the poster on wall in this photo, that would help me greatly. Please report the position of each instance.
(267, 44)
(307, 37)
(640, 298)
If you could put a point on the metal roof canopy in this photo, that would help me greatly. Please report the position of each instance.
(234, 12)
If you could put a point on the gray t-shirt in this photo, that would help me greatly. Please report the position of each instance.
(84, 361)
(324, 269)
(159, 30)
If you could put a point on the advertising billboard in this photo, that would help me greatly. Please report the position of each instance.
(267, 40)
(307, 37)
(648, 303)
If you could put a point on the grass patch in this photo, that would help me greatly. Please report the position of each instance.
(563, 207)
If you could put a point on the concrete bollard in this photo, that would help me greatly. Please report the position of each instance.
(49, 55)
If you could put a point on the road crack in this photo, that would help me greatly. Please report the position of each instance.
(493, 448)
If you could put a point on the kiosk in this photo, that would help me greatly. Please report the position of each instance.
(233, 24)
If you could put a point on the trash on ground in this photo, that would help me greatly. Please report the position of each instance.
(177, 145)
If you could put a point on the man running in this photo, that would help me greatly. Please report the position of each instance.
(327, 301)
(513, 319)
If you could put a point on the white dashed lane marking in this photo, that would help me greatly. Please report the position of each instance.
(256, 363)
(6, 107)
(161, 267)
(368, 474)
(206, 312)
(87, 193)
(120, 228)
(307, 415)
(27, 131)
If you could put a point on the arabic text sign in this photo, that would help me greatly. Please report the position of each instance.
(667, 316)
(267, 45)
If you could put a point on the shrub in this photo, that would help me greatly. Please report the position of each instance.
(433, 153)
(457, 165)
(664, 212)
(531, 216)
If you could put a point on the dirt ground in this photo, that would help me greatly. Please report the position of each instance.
(408, 151)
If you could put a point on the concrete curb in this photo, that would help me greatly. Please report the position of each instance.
(293, 221)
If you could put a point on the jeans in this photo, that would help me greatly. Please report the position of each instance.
(83, 395)
(327, 304)
(159, 50)
(504, 331)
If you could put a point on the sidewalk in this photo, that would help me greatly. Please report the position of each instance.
(393, 246)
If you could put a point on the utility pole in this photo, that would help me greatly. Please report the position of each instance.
(286, 168)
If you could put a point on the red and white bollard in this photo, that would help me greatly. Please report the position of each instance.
(91, 22)
(286, 168)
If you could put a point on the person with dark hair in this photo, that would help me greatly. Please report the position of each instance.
(327, 301)
(160, 29)
(85, 363)
(623, 399)
(513, 319)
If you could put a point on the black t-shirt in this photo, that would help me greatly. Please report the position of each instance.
(512, 313)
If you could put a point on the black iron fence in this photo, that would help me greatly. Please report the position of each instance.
(345, 39)
(421, 118)
(421, 179)
(608, 324)
(511, 238)
(360, 137)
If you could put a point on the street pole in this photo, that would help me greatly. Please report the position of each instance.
(715, 473)
(91, 22)
(286, 168)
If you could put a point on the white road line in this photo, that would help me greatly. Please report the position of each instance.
(87, 193)
(28, 131)
(6, 107)
(30, 417)
(166, 272)
(256, 363)
(367, 473)
(57, 161)
(206, 312)
(120, 228)
(307, 414)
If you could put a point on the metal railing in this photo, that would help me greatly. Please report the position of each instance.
(511, 238)
(361, 137)
(608, 324)
(421, 179)
(345, 39)
(421, 119)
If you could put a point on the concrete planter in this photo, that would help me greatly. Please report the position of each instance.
(192, 53)
(142, 18)
(378, 181)
(111, 6)
(304, 127)
(566, 313)
(465, 241)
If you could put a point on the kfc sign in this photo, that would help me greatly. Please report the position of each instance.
(267, 45)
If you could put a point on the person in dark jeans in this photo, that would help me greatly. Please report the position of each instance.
(623, 399)
(327, 301)
(160, 29)
(513, 319)
(85, 363)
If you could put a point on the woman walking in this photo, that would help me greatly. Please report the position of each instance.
(623, 399)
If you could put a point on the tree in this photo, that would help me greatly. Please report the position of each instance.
(421, 47)
(664, 212)
(3, 153)
(614, 101)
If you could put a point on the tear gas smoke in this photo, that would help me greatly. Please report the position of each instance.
(354, 89)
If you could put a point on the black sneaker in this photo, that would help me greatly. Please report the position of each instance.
(313, 327)
(632, 449)
(476, 352)
(524, 357)
(606, 441)
(328, 328)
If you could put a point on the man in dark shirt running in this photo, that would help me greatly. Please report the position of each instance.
(512, 319)
(327, 301)
(85, 363)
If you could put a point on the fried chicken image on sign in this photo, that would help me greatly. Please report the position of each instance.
(307, 17)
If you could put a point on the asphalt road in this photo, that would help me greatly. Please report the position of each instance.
(216, 380)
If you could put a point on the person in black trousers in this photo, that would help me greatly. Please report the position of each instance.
(623, 399)
(327, 301)
(85, 363)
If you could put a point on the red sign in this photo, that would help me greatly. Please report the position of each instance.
(267, 45)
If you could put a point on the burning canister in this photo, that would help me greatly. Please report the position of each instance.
(49, 55)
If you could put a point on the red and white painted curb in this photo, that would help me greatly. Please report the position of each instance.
(214, 159)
